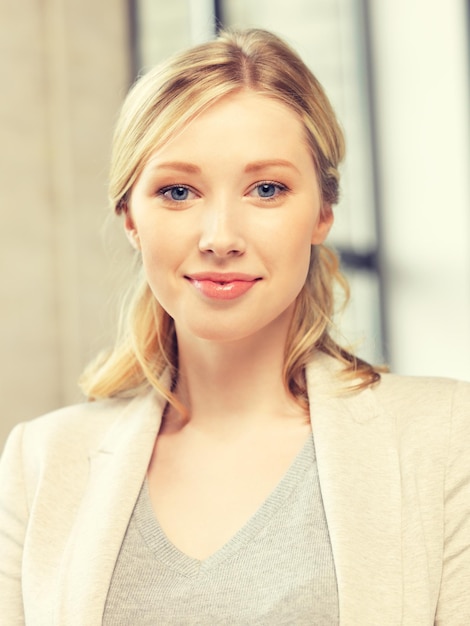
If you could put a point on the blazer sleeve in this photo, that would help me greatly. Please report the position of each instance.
(454, 598)
(13, 520)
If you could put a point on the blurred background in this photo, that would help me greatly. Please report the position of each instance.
(397, 73)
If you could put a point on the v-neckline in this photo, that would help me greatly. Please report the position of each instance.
(175, 559)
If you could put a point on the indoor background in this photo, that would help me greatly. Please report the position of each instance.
(397, 72)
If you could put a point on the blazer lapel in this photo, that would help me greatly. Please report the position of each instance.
(117, 471)
(360, 482)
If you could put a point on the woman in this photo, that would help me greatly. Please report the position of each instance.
(237, 465)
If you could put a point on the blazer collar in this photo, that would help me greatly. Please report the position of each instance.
(359, 475)
(360, 482)
(117, 470)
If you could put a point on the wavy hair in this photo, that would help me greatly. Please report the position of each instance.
(160, 104)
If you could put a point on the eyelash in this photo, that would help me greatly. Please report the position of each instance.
(279, 187)
(164, 190)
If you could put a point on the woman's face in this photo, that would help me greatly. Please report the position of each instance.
(225, 215)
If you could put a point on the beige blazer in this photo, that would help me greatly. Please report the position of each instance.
(394, 466)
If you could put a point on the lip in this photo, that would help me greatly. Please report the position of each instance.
(222, 277)
(222, 285)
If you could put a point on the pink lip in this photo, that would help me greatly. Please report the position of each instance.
(222, 286)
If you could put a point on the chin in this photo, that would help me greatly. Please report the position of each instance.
(219, 333)
(229, 330)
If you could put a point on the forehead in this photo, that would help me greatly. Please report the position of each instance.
(244, 121)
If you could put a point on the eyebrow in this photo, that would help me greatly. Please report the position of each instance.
(250, 168)
(256, 166)
(189, 168)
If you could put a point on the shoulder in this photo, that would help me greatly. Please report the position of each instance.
(393, 393)
(424, 406)
(426, 411)
(429, 401)
(421, 395)
(55, 450)
(73, 432)
(86, 422)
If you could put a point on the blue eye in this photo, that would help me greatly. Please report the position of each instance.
(178, 193)
(268, 190)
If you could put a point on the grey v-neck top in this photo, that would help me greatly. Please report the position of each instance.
(277, 569)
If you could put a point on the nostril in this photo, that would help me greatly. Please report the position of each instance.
(222, 246)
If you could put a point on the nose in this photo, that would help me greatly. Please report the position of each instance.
(220, 231)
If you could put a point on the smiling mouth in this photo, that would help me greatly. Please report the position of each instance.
(227, 288)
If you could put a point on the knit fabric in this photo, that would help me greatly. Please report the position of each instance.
(277, 569)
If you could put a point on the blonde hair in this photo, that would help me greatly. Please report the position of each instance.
(157, 107)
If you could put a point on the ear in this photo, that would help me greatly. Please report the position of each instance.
(323, 225)
(130, 230)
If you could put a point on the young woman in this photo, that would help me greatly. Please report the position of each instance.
(237, 465)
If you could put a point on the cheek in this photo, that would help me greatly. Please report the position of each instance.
(163, 255)
(292, 263)
(297, 241)
(158, 243)
(301, 253)
(156, 259)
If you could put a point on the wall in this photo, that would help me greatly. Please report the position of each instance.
(64, 68)
(422, 89)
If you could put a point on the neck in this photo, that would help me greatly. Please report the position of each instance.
(232, 386)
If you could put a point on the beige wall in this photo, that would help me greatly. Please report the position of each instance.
(64, 68)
